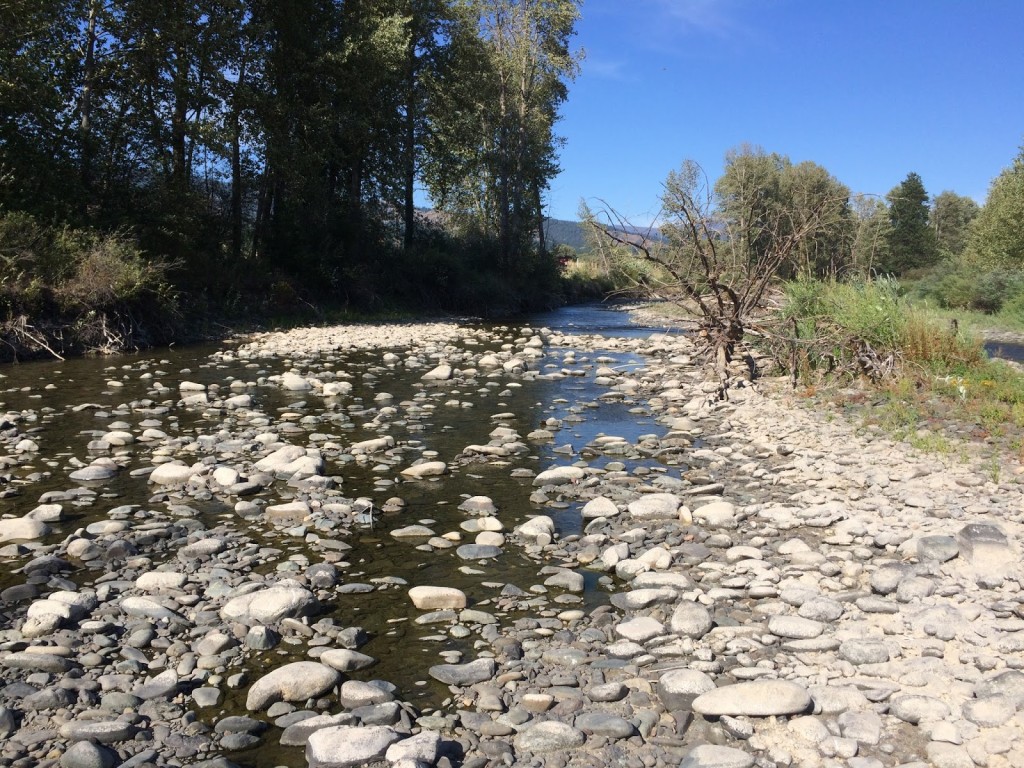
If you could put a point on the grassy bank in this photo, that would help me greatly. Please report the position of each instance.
(902, 367)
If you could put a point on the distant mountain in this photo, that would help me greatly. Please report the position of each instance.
(573, 233)
(560, 231)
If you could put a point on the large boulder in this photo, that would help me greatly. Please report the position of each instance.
(757, 698)
(22, 529)
(268, 606)
(298, 681)
(349, 746)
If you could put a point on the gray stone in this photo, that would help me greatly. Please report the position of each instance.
(171, 473)
(428, 598)
(161, 686)
(344, 746)
(296, 734)
(603, 724)
(548, 736)
(690, 620)
(345, 660)
(86, 754)
(990, 711)
(794, 627)
(606, 692)
(43, 662)
(149, 608)
(423, 748)
(358, 693)
(986, 548)
(99, 731)
(863, 727)
(240, 724)
(385, 713)
(599, 507)
(559, 476)
(717, 514)
(757, 698)
(640, 629)
(22, 529)
(206, 697)
(655, 506)
(944, 755)
(821, 609)
(426, 469)
(714, 756)
(93, 473)
(638, 599)
(886, 579)
(678, 688)
(864, 651)
(937, 549)
(464, 674)
(269, 606)
(298, 681)
(1009, 683)
(478, 551)
(916, 709)
(571, 581)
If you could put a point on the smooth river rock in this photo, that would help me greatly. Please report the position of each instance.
(297, 681)
(758, 698)
(348, 746)
(428, 598)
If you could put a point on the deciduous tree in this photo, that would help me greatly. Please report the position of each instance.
(950, 218)
(996, 239)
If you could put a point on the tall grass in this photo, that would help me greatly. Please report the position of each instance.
(867, 327)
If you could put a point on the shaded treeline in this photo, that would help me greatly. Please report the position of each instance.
(269, 153)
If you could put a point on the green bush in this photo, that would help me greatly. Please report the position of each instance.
(957, 285)
(98, 286)
(865, 327)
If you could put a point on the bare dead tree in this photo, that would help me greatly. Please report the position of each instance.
(718, 267)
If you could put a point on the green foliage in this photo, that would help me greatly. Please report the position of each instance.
(956, 284)
(950, 218)
(996, 237)
(911, 242)
(766, 200)
(866, 327)
(100, 288)
(870, 247)
(492, 148)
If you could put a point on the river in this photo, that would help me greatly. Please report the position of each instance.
(67, 405)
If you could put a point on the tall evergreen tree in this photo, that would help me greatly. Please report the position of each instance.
(912, 241)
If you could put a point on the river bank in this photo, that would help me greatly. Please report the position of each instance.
(720, 583)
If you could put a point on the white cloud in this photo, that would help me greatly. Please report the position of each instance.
(716, 17)
(606, 69)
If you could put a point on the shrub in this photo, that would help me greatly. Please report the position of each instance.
(865, 327)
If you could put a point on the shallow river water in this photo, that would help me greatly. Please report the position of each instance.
(67, 404)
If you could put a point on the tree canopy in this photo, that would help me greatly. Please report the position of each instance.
(950, 219)
(250, 139)
(996, 238)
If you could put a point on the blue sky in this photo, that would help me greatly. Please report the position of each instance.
(869, 89)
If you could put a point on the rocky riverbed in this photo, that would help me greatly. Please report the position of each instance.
(745, 582)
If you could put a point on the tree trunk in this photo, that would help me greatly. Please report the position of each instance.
(88, 80)
(236, 164)
(409, 204)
